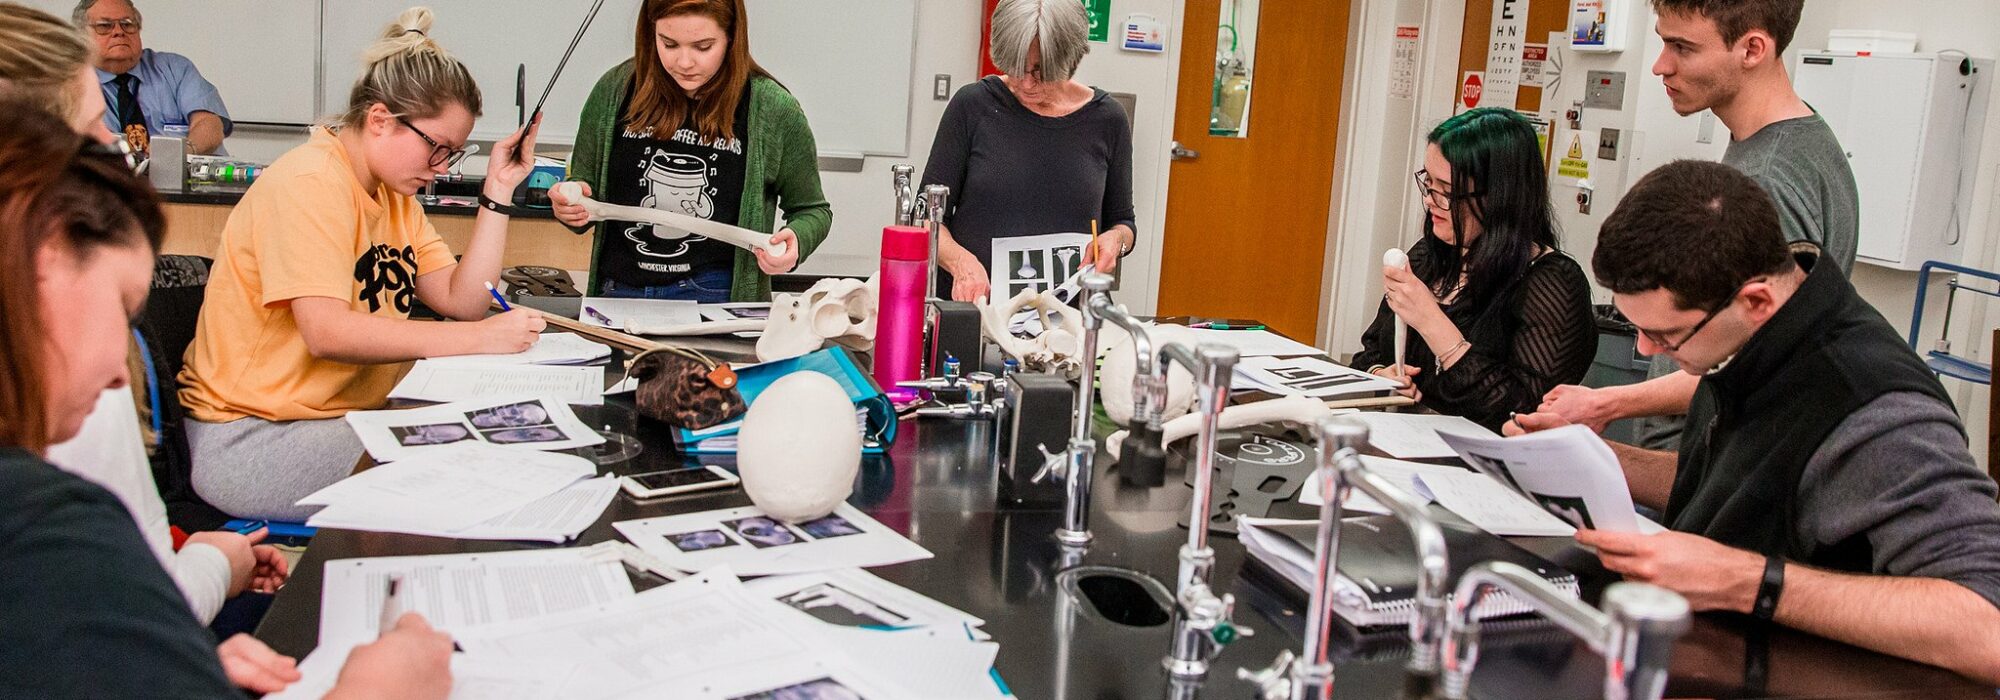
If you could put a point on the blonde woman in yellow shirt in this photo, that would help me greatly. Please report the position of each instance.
(307, 310)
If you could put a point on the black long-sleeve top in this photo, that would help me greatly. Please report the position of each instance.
(1537, 333)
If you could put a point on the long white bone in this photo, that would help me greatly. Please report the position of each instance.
(740, 237)
(693, 329)
(1395, 257)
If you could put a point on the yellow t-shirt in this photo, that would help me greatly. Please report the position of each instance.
(305, 229)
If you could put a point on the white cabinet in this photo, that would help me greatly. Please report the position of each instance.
(1911, 125)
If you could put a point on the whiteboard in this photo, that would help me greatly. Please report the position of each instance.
(848, 62)
(265, 72)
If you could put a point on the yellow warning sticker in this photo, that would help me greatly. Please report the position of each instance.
(1575, 148)
(1576, 168)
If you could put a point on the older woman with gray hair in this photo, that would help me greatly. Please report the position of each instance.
(1033, 151)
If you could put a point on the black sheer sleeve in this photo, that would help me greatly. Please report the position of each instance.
(1546, 336)
(1378, 343)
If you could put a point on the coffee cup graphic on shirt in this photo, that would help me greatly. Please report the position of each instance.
(675, 183)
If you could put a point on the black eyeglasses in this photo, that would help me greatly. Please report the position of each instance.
(1442, 198)
(440, 153)
(1665, 346)
(104, 27)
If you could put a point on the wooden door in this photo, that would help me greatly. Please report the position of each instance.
(1246, 226)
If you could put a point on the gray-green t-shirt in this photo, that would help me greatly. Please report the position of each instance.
(1801, 164)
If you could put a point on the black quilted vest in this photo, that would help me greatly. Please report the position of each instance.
(1754, 424)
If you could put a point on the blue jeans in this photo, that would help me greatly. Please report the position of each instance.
(710, 286)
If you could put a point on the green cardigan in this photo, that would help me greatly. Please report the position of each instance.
(781, 157)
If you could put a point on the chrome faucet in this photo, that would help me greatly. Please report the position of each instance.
(1310, 675)
(931, 211)
(1143, 461)
(1073, 466)
(1202, 623)
(1635, 631)
(907, 204)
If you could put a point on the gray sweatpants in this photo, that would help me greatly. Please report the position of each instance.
(256, 469)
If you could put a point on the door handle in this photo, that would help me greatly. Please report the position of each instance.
(1183, 153)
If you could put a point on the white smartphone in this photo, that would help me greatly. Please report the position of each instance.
(673, 481)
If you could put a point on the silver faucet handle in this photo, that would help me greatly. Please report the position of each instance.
(903, 169)
(1342, 433)
(1645, 622)
(1053, 464)
(1219, 356)
(1096, 281)
(1273, 682)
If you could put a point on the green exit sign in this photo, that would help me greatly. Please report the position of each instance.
(1100, 19)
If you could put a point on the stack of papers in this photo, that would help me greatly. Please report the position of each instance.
(524, 424)
(549, 349)
(457, 592)
(624, 314)
(456, 380)
(445, 491)
(1311, 377)
(755, 544)
(855, 598)
(1415, 435)
(1568, 471)
(708, 637)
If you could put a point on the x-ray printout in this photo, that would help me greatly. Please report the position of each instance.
(544, 423)
(755, 544)
(1568, 471)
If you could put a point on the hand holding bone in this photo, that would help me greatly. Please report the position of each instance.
(572, 194)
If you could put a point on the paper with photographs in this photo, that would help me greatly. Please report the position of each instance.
(1310, 377)
(856, 598)
(537, 424)
(1038, 263)
(1568, 471)
(434, 380)
(755, 544)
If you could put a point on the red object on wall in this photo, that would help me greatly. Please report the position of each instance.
(986, 66)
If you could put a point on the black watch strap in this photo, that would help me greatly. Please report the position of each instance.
(490, 203)
(1768, 591)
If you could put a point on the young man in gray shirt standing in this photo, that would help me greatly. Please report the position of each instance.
(1825, 483)
(1726, 56)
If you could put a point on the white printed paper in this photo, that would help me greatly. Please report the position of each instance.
(432, 380)
(451, 488)
(855, 598)
(471, 678)
(703, 637)
(1401, 474)
(1492, 507)
(755, 544)
(1257, 343)
(1568, 471)
(556, 518)
(461, 591)
(1034, 263)
(1311, 377)
(535, 424)
(1415, 435)
(549, 349)
(619, 314)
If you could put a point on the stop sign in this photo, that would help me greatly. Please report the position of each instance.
(1473, 87)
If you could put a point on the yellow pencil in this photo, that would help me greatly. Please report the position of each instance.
(1093, 240)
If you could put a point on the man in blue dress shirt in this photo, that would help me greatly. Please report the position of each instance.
(150, 93)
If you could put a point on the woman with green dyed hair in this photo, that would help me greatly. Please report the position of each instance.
(1497, 314)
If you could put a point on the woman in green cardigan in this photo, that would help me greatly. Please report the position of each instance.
(693, 125)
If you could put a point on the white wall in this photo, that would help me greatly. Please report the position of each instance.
(948, 42)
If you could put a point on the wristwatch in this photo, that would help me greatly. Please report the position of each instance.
(1773, 585)
(495, 205)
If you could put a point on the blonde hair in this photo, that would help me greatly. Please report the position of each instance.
(40, 56)
(410, 74)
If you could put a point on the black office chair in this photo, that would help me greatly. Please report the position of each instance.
(180, 282)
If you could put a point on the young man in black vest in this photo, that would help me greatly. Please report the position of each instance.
(1824, 481)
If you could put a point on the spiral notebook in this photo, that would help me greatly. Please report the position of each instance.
(1378, 564)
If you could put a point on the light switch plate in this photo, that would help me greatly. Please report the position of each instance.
(941, 87)
(1604, 89)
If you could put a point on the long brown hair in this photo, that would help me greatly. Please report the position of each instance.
(40, 56)
(50, 188)
(659, 103)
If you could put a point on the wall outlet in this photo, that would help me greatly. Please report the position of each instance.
(941, 87)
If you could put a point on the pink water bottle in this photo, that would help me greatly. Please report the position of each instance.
(899, 323)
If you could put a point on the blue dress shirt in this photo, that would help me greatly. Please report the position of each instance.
(170, 88)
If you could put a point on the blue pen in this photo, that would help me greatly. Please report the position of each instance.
(496, 297)
(253, 526)
(600, 317)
